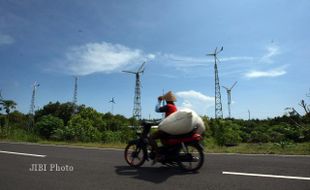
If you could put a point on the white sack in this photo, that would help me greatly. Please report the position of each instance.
(182, 122)
(198, 123)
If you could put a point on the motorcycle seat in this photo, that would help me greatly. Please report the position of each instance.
(189, 138)
(169, 136)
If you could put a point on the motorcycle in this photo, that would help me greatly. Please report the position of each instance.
(184, 151)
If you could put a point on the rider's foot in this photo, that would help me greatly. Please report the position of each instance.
(158, 158)
(154, 162)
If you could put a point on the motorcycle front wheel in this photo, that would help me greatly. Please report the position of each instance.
(191, 157)
(134, 155)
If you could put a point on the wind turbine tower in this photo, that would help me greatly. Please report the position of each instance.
(34, 90)
(249, 114)
(75, 95)
(1, 95)
(218, 101)
(137, 97)
(112, 101)
(228, 90)
(75, 90)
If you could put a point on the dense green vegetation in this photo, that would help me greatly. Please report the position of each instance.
(63, 122)
(58, 122)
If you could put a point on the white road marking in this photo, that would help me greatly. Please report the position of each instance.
(266, 175)
(22, 154)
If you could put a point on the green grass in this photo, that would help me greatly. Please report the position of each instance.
(86, 144)
(19, 135)
(260, 148)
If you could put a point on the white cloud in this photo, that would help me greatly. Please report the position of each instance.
(195, 100)
(237, 58)
(272, 50)
(6, 39)
(180, 58)
(102, 57)
(269, 73)
(186, 61)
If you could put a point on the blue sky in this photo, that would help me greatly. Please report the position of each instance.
(266, 49)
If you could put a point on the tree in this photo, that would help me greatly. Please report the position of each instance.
(8, 105)
(47, 125)
(81, 129)
(63, 111)
(305, 107)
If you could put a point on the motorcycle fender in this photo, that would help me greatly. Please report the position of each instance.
(200, 145)
(197, 143)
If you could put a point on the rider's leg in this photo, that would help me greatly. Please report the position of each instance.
(155, 149)
(153, 137)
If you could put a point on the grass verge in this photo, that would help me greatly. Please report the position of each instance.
(210, 145)
(260, 148)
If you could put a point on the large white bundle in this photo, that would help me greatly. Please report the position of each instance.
(198, 123)
(182, 122)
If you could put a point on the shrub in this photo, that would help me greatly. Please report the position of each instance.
(122, 136)
(80, 129)
(47, 125)
(227, 133)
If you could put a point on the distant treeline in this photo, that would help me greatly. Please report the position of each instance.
(68, 122)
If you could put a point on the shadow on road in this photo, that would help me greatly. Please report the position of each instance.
(151, 174)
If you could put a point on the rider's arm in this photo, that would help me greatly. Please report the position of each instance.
(157, 106)
(160, 109)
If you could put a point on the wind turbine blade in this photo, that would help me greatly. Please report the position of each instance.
(215, 51)
(222, 49)
(233, 85)
(140, 69)
(129, 72)
(211, 54)
(217, 59)
(225, 87)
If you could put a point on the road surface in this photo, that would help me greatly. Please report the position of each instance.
(30, 166)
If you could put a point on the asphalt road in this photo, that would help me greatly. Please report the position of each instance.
(106, 169)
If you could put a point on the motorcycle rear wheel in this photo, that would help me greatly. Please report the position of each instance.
(191, 157)
(134, 155)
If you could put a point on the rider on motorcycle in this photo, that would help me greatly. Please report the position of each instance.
(168, 109)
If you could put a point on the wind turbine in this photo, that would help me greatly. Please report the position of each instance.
(137, 97)
(1, 95)
(32, 104)
(249, 112)
(218, 101)
(34, 90)
(1, 99)
(112, 101)
(75, 91)
(228, 90)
